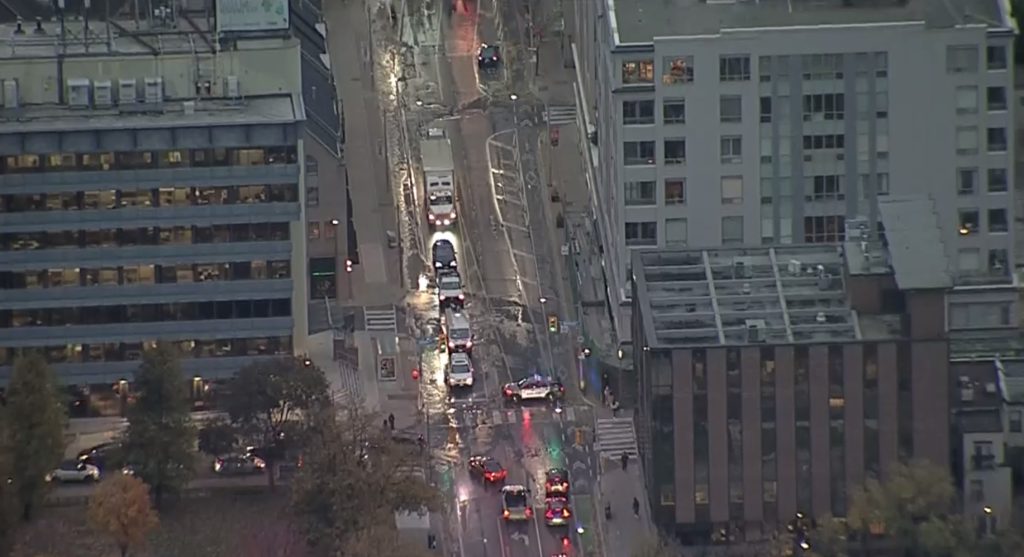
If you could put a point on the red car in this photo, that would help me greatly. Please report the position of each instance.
(556, 482)
(487, 468)
(557, 512)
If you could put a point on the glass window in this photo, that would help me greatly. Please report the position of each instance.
(21, 163)
(966, 99)
(314, 230)
(966, 140)
(676, 69)
(734, 67)
(966, 181)
(637, 153)
(995, 99)
(136, 198)
(997, 180)
(675, 232)
(995, 57)
(732, 190)
(969, 221)
(962, 59)
(640, 193)
(824, 229)
(641, 233)
(732, 230)
(995, 140)
(134, 159)
(60, 161)
(312, 166)
(731, 148)
(250, 157)
(637, 112)
(766, 110)
(673, 111)
(638, 71)
(675, 191)
(1015, 420)
(730, 108)
(173, 158)
(968, 259)
(997, 221)
(675, 151)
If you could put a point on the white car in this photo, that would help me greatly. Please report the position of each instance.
(74, 471)
(460, 370)
(449, 290)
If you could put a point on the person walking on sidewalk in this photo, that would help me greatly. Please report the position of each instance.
(636, 507)
(615, 407)
(391, 421)
(607, 394)
(625, 460)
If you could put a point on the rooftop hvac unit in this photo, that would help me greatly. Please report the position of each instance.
(103, 93)
(746, 288)
(232, 88)
(824, 281)
(755, 330)
(154, 90)
(127, 93)
(739, 268)
(78, 92)
(821, 318)
(11, 93)
(794, 267)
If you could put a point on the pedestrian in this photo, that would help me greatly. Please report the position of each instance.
(625, 460)
(605, 382)
(615, 407)
(607, 394)
(391, 421)
(384, 426)
(636, 507)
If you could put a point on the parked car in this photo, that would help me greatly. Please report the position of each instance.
(238, 464)
(74, 471)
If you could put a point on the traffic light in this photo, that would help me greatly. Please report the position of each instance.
(553, 323)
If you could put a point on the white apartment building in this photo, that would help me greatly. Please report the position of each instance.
(723, 122)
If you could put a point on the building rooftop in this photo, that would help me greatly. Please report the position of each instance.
(914, 242)
(270, 109)
(1011, 380)
(641, 21)
(738, 296)
(319, 94)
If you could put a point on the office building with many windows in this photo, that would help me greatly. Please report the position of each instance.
(151, 189)
(726, 123)
(776, 380)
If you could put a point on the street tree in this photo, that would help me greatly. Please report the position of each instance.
(160, 433)
(383, 541)
(916, 506)
(267, 400)
(35, 418)
(353, 479)
(121, 509)
(8, 497)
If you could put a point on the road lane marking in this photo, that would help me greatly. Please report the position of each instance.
(540, 543)
(501, 536)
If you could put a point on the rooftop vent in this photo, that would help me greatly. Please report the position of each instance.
(154, 90)
(232, 88)
(739, 268)
(824, 281)
(188, 107)
(103, 93)
(990, 388)
(39, 27)
(127, 92)
(794, 267)
(11, 97)
(755, 330)
(19, 29)
(821, 317)
(78, 92)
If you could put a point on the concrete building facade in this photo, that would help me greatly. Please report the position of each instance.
(152, 189)
(775, 380)
(743, 123)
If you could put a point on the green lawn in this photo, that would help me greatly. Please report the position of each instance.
(223, 524)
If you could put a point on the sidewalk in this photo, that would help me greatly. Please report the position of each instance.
(617, 487)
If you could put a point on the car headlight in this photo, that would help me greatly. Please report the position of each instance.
(430, 217)
(437, 264)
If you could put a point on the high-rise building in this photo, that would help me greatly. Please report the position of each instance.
(725, 122)
(152, 189)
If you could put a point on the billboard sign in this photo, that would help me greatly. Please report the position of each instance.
(235, 16)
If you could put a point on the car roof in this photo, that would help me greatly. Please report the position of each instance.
(557, 472)
(559, 501)
(460, 358)
(514, 488)
(443, 243)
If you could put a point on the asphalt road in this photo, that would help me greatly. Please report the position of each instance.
(503, 263)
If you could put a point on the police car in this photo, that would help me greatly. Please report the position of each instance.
(534, 387)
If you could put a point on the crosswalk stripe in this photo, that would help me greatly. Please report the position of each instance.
(560, 114)
(616, 436)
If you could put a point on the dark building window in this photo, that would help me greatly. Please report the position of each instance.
(200, 348)
(905, 426)
(871, 439)
(140, 160)
(701, 462)
(802, 392)
(734, 422)
(837, 430)
(147, 313)
(221, 233)
(769, 472)
(322, 277)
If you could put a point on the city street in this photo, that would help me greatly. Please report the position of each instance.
(501, 242)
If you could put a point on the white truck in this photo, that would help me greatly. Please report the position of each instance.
(438, 177)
